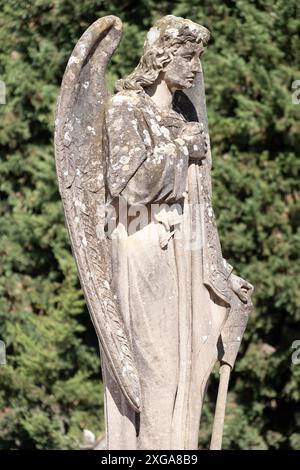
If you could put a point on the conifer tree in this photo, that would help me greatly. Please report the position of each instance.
(50, 388)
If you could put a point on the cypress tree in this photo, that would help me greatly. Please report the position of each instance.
(50, 388)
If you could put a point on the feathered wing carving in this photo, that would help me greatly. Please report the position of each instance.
(80, 170)
(216, 278)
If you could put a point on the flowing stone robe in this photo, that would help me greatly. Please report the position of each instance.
(170, 276)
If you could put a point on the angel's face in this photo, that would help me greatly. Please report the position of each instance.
(180, 72)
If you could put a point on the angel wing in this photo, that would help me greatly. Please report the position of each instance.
(236, 322)
(80, 171)
(234, 329)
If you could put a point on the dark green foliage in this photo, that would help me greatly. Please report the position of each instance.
(50, 388)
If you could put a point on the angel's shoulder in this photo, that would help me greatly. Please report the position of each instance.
(124, 100)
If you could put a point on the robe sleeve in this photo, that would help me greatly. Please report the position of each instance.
(143, 164)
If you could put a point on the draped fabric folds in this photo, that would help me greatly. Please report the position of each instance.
(173, 320)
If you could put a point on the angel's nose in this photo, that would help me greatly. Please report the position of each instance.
(196, 66)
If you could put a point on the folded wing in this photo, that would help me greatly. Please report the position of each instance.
(80, 170)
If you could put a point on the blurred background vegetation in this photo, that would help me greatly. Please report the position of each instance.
(50, 389)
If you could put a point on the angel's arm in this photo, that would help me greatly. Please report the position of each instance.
(140, 170)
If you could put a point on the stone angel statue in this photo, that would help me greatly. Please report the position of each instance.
(134, 177)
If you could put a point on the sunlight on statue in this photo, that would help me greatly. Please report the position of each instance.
(165, 304)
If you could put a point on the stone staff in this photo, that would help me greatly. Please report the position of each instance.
(235, 325)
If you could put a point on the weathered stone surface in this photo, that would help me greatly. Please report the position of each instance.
(134, 175)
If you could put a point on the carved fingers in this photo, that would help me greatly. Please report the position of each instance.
(242, 288)
(193, 135)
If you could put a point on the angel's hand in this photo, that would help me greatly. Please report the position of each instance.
(193, 135)
(242, 288)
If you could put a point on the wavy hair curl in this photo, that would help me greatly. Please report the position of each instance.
(156, 57)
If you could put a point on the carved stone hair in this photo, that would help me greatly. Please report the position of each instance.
(162, 42)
